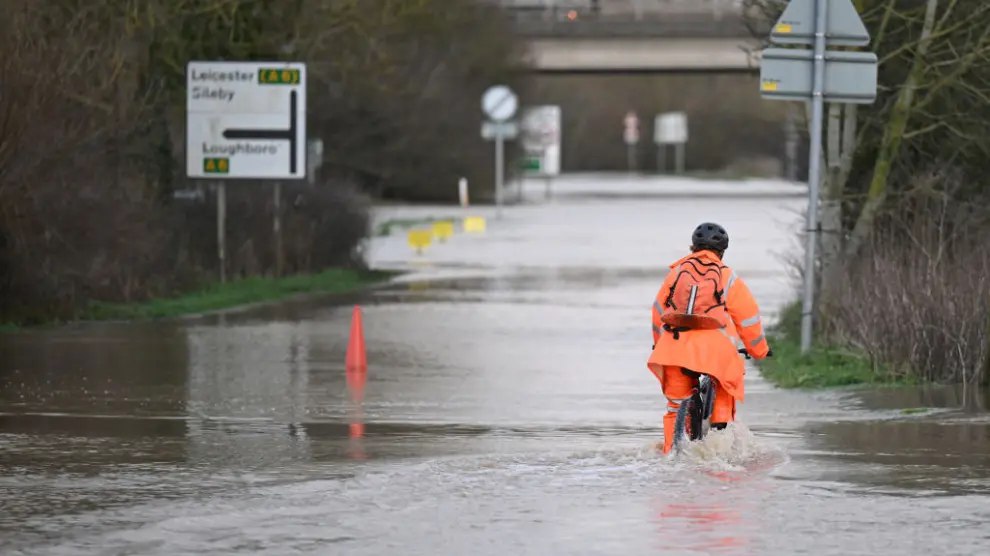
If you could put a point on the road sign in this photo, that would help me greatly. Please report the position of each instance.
(541, 140)
(495, 130)
(499, 103)
(246, 120)
(630, 133)
(843, 26)
(670, 128)
(786, 74)
(820, 76)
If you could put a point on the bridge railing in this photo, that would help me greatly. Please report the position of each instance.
(637, 9)
(618, 18)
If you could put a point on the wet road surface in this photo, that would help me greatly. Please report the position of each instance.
(507, 410)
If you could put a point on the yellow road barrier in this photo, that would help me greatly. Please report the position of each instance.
(443, 230)
(474, 224)
(420, 239)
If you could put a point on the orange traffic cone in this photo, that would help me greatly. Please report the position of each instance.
(357, 358)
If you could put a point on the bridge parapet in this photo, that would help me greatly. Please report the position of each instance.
(656, 18)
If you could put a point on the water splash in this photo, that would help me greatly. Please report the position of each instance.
(734, 448)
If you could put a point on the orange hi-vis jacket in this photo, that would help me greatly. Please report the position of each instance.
(712, 352)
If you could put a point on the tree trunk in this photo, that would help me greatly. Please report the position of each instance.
(832, 199)
(892, 138)
(842, 147)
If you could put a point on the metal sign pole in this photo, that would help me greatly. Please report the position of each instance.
(499, 163)
(679, 153)
(662, 158)
(221, 229)
(277, 229)
(814, 173)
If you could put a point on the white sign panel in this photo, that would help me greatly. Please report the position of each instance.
(494, 130)
(246, 120)
(541, 140)
(670, 128)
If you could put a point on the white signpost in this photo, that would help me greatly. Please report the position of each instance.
(246, 120)
(670, 128)
(819, 76)
(500, 104)
(630, 135)
(541, 142)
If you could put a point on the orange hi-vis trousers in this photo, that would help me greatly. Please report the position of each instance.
(678, 387)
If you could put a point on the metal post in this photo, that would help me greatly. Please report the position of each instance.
(679, 153)
(631, 157)
(661, 158)
(221, 229)
(814, 174)
(499, 155)
(277, 229)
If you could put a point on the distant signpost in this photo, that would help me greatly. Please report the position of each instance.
(541, 142)
(246, 120)
(630, 136)
(499, 103)
(817, 75)
(670, 128)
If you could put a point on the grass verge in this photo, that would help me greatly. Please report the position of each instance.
(237, 293)
(387, 227)
(823, 367)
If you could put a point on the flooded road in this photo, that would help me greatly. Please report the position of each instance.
(507, 410)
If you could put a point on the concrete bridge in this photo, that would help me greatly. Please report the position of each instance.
(635, 36)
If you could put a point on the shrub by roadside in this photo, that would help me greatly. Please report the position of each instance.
(824, 366)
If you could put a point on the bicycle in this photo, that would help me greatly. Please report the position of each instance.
(696, 411)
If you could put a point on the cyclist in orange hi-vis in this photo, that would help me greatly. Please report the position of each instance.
(702, 313)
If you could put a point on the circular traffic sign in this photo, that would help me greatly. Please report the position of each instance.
(499, 103)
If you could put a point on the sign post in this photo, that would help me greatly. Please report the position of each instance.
(246, 120)
(630, 136)
(277, 228)
(499, 104)
(820, 76)
(670, 128)
(541, 143)
(222, 229)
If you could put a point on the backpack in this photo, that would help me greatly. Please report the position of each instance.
(695, 298)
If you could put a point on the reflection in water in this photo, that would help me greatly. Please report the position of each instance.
(356, 381)
(247, 392)
(719, 511)
(705, 527)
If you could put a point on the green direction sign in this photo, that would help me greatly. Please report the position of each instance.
(531, 163)
(843, 25)
(787, 74)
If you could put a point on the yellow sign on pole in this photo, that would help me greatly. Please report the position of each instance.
(443, 230)
(420, 239)
(474, 224)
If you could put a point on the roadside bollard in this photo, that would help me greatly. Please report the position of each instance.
(462, 192)
(474, 224)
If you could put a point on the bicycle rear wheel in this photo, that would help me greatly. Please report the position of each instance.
(681, 424)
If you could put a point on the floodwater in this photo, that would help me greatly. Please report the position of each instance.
(507, 410)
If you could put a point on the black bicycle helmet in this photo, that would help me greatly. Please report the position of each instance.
(710, 236)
